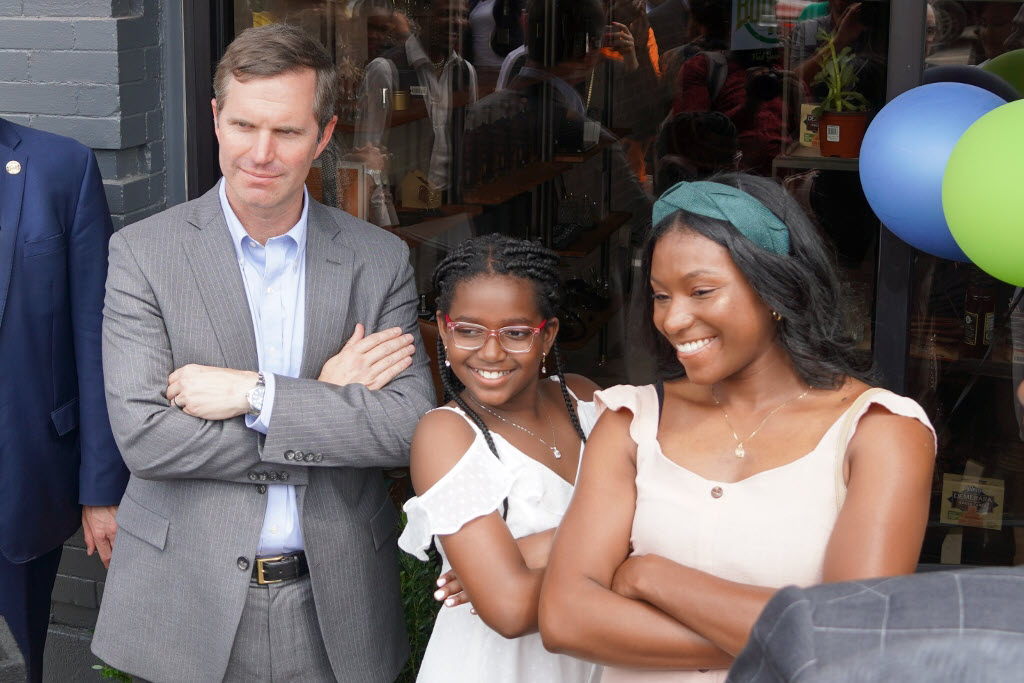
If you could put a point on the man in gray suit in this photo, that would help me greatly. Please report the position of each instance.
(257, 537)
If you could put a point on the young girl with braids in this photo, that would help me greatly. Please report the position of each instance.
(496, 466)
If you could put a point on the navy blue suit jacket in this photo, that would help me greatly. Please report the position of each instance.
(56, 449)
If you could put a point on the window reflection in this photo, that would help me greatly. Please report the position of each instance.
(966, 353)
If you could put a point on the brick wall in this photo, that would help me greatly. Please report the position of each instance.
(90, 70)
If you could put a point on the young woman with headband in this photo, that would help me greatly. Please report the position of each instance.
(494, 469)
(763, 459)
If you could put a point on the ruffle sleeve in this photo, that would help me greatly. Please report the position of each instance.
(474, 487)
(642, 401)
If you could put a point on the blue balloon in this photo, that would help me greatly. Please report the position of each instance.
(904, 155)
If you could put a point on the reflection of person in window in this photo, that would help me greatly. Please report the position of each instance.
(1015, 41)
(429, 73)
(861, 26)
(745, 85)
(995, 24)
(495, 30)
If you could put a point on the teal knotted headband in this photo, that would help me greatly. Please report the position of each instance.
(754, 220)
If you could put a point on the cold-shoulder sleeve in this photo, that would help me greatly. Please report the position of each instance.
(641, 401)
(895, 404)
(474, 487)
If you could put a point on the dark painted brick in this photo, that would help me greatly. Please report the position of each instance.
(157, 156)
(99, 591)
(75, 591)
(36, 34)
(64, 8)
(133, 131)
(98, 100)
(140, 96)
(119, 163)
(77, 539)
(132, 64)
(128, 194)
(139, 31)
(155, 124)
(67, 657)
(74, 562)
(72, 615)
(153, 62)
(74, 67)
(38, 98)
(95, 34)
(95, 132)
(118, 221)
(14, 65)
(144, 213)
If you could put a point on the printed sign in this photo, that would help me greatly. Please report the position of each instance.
(832, 133)
(754, 26)
(971, 501)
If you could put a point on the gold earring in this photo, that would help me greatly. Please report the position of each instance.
(544, 363)
(776, 316)
(447, 363)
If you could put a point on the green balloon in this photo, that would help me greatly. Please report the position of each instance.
(1010, 67)
(983, 193)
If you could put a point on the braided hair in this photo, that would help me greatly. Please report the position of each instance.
(498, 254)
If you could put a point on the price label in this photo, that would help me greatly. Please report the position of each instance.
(832, 133)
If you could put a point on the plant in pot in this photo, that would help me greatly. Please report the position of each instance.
(843, 114)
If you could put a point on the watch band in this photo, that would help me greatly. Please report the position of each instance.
(255, 395)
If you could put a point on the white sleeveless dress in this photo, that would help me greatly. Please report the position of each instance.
(462, 648)
(770, 529)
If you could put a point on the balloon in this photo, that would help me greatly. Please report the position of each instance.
(972, 75)
(904, 154)
(983, 196)
(1010, 67)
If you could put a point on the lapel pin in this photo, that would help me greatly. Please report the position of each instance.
(13, 167)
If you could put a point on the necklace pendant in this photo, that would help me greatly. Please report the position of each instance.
(557, 453)
(740, 451)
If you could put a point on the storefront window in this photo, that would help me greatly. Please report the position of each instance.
(967, 349)
(452, 124)
(563, 121)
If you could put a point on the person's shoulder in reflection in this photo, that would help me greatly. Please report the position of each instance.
(708, 32)
(670, 20)
(1015, 41)
(693, 146)
(561, 70)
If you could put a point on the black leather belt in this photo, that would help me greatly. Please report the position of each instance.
(279, 568)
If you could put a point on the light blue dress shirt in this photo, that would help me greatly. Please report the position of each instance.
(275, 284)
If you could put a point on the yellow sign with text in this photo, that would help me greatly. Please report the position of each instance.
(971, 501)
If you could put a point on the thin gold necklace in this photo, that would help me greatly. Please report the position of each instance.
(740, 451)
(553, 445)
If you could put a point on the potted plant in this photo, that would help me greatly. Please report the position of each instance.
(843, 114)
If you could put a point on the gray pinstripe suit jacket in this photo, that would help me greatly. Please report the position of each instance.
(191, 517)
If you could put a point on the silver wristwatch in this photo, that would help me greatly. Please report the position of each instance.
(255, 396)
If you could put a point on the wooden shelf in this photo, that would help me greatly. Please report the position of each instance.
(799, 156)
(415, 111)
(426, 232)
(594, 237)
(514, 184)
(595, 322)
(526, 178)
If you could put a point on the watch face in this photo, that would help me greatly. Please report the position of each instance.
(256, 399)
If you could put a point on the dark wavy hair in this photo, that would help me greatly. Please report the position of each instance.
(498, 254)
(803, 287)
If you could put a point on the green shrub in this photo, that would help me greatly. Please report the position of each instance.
(419, 605)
